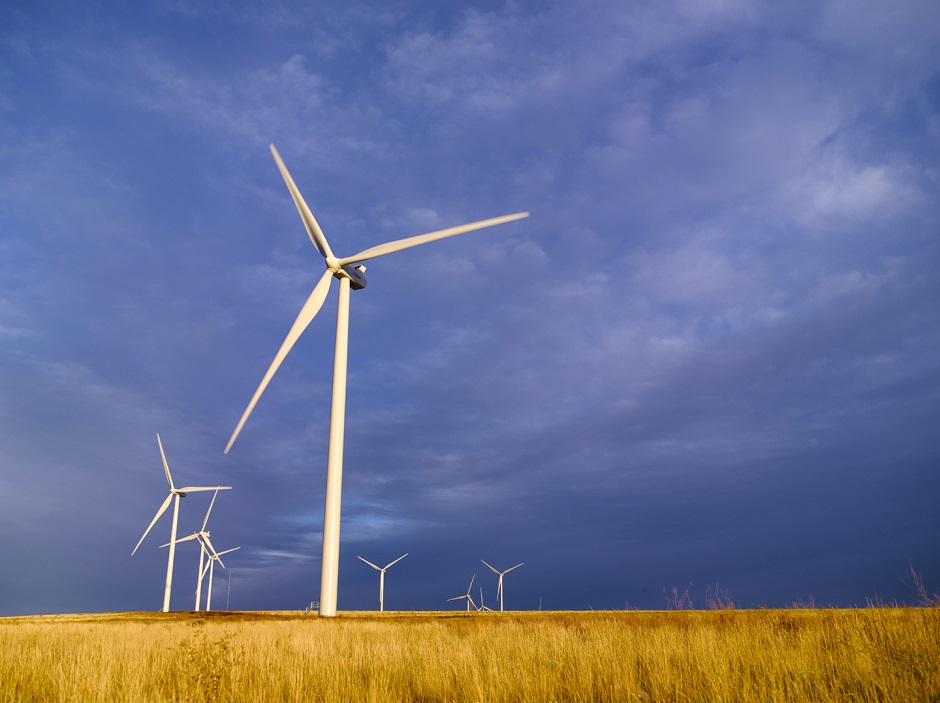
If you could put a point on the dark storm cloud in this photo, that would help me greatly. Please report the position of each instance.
(706, 357)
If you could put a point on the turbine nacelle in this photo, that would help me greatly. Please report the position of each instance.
(355, 274)
(351, 270)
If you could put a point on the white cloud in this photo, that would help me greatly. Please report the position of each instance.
(839, 192)
(252, 108)
(852, 283)
(13, 331)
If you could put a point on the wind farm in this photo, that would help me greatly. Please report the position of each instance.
(528, 630)
(174, 497)
(648, 331)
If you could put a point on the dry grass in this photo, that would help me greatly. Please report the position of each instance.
(879, 654)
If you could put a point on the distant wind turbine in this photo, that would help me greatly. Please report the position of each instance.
(351, 274)
(381, 571)
(467, 596)
(499, 588)
(214, 557)
(484, 608)
(175, 495)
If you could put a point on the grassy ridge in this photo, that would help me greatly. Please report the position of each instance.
(878, 654)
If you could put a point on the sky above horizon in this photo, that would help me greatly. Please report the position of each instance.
(708, 359)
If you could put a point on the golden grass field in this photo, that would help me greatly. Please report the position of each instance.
(873, 654)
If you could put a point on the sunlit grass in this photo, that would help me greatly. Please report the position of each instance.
(877, 654)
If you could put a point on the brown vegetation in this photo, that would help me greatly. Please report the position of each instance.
(879, 654)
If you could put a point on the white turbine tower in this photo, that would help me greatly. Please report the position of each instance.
(499, 587)
(175, 493)
(350, 273)
(203, 551)
(381, 571)
(467, 596)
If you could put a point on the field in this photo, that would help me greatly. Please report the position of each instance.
(874, 654)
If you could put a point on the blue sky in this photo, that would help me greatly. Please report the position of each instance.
(709, 356)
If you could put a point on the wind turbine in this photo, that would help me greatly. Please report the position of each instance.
(200, 536)
(382, 578)
(175, 495)
(214, 557)
(351, 274)
(499, 587)
(467, 596)
(483, 607)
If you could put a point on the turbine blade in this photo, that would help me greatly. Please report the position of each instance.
(408, 242)
(471, 585)
(183, 539)
(218, 556)
(369, 563)
(457, 598)
(156, 517)
(491, 568)
(310, 222)
(166, 467)
(307, 313)
(211, 503)
(196, 489)
(398, 559)
(515, 567)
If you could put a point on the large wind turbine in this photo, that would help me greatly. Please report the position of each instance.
(175, 493)
(350, 272)
(499, 587)
(381, 571)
